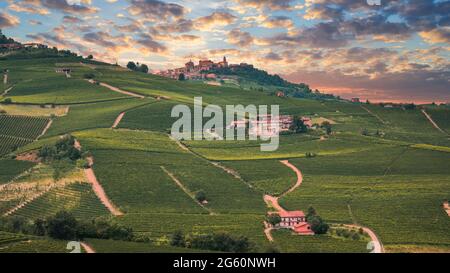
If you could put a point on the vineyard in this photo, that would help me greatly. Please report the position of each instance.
(110, 246)
(14, 243)
(11, 168)
(77, 198)
(386, 179)
(17, 131)
(9, 144)
(7, 238)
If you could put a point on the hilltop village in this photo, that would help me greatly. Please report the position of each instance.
(191, 71)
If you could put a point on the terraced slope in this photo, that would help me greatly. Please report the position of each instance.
(78, 199)
(17, 131)
(392, 182)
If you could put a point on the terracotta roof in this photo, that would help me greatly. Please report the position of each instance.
(296, 213)
(303, 228)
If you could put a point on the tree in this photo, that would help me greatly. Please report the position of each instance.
(177, 239)
(327, 126)
(200, 196)
(298, 126)
(311, 212)
(274, 219)
(410, 106)
(318, 225)
(316, 222)
(8, 101)
(39, 227)
(62, 226)
(90, 57)
(131, 66)
(143, 68)
(181, 77)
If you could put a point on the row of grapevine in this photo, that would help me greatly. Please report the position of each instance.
(77, 198)
(6, 237)
(9, 144)
(22, 126)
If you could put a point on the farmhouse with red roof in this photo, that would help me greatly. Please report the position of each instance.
(295, 220)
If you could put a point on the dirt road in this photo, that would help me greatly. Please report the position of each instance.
(45, 129)
(186, 190)
(96, 186)
(118, 120)
(98, 190)
(273, 200)
(377, 245)
(432, 122)
(373, 114)
(447, 208)
(87, 247)
(118, 90)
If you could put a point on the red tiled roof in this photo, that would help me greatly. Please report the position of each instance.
(303, 228)
(296, 213)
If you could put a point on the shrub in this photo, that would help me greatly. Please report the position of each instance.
(62, 226)
(273, 219)
(327, 126)
(63, 149)
(355, 236)
(7, 101)
(177, 239)
(317, 224)
(298, 126)
(200, 196)
(220, 242)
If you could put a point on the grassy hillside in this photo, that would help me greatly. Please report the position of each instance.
(386, 169)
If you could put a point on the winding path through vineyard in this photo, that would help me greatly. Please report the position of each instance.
(96, 186)
(87, 247)
(433, 122)
(273, 201)
(118, 90)
(118, 120)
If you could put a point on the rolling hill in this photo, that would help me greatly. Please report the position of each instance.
(393, 178)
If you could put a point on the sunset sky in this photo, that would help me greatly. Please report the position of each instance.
(398, 51)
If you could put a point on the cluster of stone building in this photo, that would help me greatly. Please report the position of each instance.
(294, 220)
(268, 125)
(17, 46)
(191, 71)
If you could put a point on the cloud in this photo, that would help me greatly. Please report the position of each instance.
(240, 38)
(7, 20)
(34, 22)
(149, 45)
(214, 19)
(267, 4)
(155, 9)
(396, 87)
(278, 22)
(321, 35)
(272, 56)
(180, 26)
(27, 8)
(66, 7)
(72, 19)
(105, 39)
(434, 36)
(58, 39)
